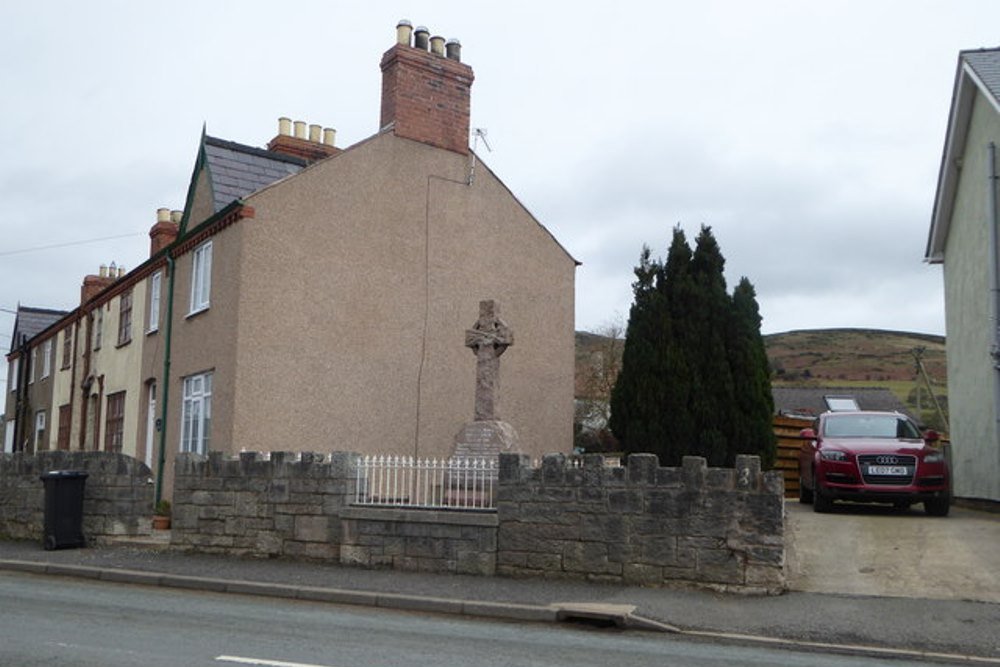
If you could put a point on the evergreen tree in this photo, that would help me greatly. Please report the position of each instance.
(752, 374)
(694, 376)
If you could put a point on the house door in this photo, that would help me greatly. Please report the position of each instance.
(151, 425)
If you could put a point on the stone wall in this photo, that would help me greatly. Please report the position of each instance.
(286, 505)
(117, 499)
(642, 524)
(417, 540)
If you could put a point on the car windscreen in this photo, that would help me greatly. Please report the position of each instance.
(869, 426)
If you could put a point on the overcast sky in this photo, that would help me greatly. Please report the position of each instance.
(807, 134)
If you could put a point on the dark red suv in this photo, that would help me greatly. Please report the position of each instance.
(876, 457)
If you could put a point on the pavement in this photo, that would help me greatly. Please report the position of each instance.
(912, 628)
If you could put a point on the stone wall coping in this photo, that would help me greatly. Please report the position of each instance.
(486, 518)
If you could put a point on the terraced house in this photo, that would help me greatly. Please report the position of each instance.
(309, 297)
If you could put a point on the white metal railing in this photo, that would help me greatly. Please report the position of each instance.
(466, 483)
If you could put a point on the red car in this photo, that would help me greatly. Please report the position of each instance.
(875, 457)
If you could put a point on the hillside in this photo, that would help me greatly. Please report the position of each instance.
(868, 357)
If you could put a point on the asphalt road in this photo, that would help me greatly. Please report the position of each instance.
(874, 550)
(56, 621)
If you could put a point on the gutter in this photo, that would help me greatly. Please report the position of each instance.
(165, 389)
(994, 279)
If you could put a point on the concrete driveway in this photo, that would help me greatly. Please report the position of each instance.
(875, 550)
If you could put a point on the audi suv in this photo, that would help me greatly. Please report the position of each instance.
(866, 456)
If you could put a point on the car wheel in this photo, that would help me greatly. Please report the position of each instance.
(805, 495)
(821, 502)
(938, 506)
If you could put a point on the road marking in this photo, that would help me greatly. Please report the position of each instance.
(264, 663)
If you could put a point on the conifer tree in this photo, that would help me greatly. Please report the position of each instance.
(694, 376)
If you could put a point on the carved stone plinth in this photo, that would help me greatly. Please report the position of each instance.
(486, 439)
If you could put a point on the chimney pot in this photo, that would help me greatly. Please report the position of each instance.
(453, 49)
(121, 271)
(285, 127)
(163, 215)
(329, 136)
(315, 133)
(420, 36)
(437, 45)
(176, 217)
(403, 31)
(103, 271)
(300, 129)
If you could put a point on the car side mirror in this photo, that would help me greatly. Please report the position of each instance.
(807, 433)
(930, 435)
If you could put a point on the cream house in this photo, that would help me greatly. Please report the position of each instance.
(964, 239)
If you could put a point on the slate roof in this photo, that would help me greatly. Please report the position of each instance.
(986, 64)
(32, 321)
(808, 401)
(237, 170)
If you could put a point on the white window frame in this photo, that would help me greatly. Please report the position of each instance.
(154, 302)
(33, 369)
(47, 358)
(201, 277)
(39, 428)
(12, 378)
(196, 413)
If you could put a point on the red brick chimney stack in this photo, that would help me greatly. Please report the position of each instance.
(318, 144)
(93, 285)
(164, 231)
(425, 93)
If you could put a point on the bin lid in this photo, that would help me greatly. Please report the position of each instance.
(64, 474)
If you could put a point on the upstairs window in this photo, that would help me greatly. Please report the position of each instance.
(34, 365)
(201, 277)
(46, 358)
(125, 318)
(98, 327)
(67, 354)
(12, 378)
(154, 302)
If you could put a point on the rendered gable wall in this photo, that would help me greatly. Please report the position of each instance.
(976, 455)
(358, 278)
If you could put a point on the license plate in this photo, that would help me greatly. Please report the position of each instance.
(888, 471)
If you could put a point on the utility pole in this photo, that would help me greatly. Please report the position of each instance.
(918, 353)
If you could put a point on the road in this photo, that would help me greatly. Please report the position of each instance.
(875, 550)
(56, 621)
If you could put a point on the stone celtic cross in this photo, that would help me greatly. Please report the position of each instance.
(489, 338)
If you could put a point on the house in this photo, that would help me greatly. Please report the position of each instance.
(963, 238)
(809, 402)
(27, 414)
(315, 298)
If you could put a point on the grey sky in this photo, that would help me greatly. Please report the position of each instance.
(807, 134)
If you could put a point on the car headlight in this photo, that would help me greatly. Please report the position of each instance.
(833, 455)
(934, 457)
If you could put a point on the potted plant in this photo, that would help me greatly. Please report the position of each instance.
(161, 515)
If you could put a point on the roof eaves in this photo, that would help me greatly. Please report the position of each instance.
(967, 83)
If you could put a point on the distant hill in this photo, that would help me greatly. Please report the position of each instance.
(871, 357)
(859, 355)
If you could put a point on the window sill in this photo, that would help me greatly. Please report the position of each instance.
(150, 332)
(194, 313)
(123, 344)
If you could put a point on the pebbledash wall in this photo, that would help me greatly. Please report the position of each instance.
(639, 524)
(117, 499)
